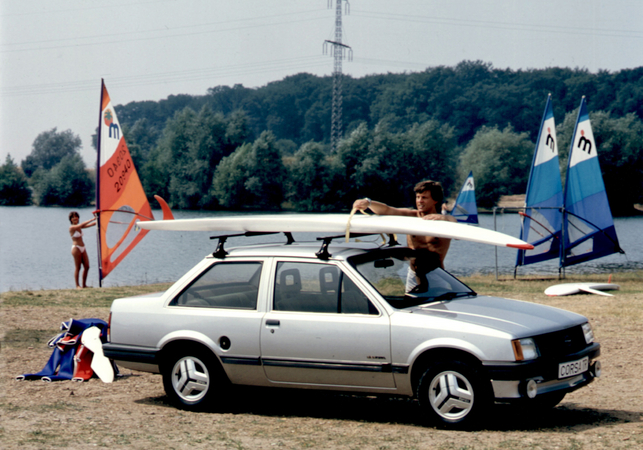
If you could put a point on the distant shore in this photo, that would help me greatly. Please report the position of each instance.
(518, 201)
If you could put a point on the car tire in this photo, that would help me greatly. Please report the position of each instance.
(190, 378)
(454, 394)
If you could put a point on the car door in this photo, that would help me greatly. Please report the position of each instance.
(222, 307)
(322, 330)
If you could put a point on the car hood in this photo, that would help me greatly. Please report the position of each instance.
(516, 317)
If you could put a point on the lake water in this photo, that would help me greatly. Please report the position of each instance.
(35, 251)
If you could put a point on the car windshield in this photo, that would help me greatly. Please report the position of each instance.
(406, 277)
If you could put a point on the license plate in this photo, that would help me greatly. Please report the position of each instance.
(569, 369)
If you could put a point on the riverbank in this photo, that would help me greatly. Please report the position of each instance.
(133, 412)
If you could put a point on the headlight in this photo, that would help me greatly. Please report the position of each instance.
(525, 349)
(589, 334)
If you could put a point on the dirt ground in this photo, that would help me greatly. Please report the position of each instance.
(133, 411)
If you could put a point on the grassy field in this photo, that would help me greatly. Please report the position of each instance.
(132, 412)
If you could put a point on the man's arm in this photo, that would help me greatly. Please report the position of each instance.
(382, 209)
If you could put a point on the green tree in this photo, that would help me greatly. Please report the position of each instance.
(499, 161)
(141, 139)
(251, 177)
(350, 152)
(229, 179)
(312, 177)
(14, 188)
(66, 184)
(386, 166)
(49, 148)
(433, 156)
(382, 173)
(192, 145)
(155, 173)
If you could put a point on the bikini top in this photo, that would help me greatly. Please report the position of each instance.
(77, 234)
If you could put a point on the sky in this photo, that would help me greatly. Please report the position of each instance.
(53, 55)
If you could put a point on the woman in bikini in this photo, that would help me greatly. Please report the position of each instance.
(78, 250)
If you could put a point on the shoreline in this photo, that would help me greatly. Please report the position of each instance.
(633, 275)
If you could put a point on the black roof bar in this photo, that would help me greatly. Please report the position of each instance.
(220, 252)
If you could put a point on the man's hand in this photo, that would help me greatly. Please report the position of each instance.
(362, 204)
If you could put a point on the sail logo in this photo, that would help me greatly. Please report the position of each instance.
(108, 118)
(584, 144)
(550, 141)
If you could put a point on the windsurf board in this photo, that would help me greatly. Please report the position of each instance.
(337, 223)
(576, 288)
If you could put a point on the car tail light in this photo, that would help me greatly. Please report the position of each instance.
(109, 328)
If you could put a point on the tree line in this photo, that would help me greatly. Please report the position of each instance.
(267, 148)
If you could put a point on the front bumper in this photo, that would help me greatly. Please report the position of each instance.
(512, 380)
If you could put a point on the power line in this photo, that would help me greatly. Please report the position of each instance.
(582, 31)
(167, 77)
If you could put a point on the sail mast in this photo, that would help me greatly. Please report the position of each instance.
(98, 205)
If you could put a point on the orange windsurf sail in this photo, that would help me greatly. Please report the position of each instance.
(120, 199)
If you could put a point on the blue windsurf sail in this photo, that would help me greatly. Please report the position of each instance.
(589, 231)
(542, 217)
(465, 208)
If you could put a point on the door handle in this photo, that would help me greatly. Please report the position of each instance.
(273, 322)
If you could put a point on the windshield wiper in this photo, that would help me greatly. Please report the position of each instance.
(452, 295)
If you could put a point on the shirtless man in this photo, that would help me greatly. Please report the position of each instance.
(428, 194)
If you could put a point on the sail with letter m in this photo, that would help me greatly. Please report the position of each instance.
(120, 199)
(589, 231)
(542, 217)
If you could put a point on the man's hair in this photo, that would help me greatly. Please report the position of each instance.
(434, 188)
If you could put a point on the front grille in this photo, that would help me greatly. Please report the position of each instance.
(561, 343)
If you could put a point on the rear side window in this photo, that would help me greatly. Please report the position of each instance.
(318, 288)
(233, 285)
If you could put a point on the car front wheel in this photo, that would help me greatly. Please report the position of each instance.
(454, 393)
(189, 378)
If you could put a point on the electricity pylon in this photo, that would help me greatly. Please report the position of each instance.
(338, 51)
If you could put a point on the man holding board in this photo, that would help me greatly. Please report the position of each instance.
(428, 194)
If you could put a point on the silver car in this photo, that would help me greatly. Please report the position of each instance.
(358, 318)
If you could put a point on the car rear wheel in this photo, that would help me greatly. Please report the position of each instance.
(190, 378)
(454, 393)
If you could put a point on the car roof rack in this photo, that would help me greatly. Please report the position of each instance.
(324, 254)
(220, 252)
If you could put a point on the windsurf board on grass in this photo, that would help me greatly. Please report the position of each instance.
(577, 288)
(337, 223)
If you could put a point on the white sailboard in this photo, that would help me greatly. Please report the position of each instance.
(577, 288)
(337, 223)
